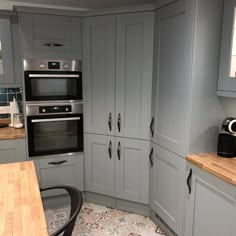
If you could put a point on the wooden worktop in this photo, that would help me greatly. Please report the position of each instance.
(21, 210)
(9, 132)
(224, 168)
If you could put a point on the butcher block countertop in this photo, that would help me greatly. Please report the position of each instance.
(21, 209)
(224, 168)
(9, 132)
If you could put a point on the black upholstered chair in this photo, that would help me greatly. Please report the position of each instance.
(76, 204)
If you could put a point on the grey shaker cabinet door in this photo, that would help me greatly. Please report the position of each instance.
(173, 78)
(100, 164)
(227, 84)
(41, 33)
(210, 208)
(99, 74)
(132, 170)
(167, 179)
(12, 150)
(6, 57)
(134, 58)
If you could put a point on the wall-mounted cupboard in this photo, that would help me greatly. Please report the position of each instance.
(117, 72)
(10, 52)
(50, 36)
(227, 67)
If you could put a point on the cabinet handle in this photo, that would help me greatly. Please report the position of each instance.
(110, 121)
(110, 150)
(151, 126)
(118, 151)
(118, 122)
(189, 180)
(56, 162)
(52, 45)
(150, 157)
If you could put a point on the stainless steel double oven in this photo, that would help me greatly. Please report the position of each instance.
(54, 107)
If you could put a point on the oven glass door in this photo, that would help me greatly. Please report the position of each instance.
(48, 86)
(56, 134)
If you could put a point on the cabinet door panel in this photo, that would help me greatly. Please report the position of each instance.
(167, 187)
(99, 166)
(7, 66)
(99, 74)
(134, 49)
(132, 171)
(210, 207)
(173, 76)
(225, 82)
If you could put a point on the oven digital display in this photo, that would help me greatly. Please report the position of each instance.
(54, 65)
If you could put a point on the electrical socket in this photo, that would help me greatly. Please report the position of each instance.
(4, 109)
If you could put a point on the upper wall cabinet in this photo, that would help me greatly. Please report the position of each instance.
(51, 36)
(6, 52)
(117, 69)
(227, 70)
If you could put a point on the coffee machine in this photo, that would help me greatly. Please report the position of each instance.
(227, 138)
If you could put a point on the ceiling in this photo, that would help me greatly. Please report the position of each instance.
(87, 4)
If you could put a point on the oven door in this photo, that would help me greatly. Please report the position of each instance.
(54, 134)
(51, 85)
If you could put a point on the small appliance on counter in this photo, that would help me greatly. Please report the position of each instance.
(227, 138)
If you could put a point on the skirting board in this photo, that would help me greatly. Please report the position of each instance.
(124, 205)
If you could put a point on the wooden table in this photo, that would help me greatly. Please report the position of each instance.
(21, 209)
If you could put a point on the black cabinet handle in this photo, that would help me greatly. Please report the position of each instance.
(189, 180)
(56, 162)
(118, 151)
(53, 45)
(110, 121)
(118, 122)
(110, 150)
(151, 126)
(150, 157)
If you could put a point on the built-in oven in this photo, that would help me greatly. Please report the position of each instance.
(52, 80)
(54, 128)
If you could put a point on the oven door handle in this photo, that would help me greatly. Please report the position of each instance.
(55, 119)
(53, 76)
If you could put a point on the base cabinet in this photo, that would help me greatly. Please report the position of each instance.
(12, 150)
(64, 170)
(117, 167)
(167, 175)
(211, 205)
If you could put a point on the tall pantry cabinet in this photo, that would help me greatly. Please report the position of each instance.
(117, 72)
(186, 112)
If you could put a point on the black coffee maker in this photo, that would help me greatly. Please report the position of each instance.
(227, 138)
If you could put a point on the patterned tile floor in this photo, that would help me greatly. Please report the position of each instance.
(96, 220)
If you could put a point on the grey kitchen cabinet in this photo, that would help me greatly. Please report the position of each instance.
(6, 52)
(167, 184)
(211, 205)
(99, 74)
(99, 164)
(60, 170)
(134, 58)
(50, 36)
(12, 150)
(117, 68)
(185, 107)
(117, 167)
(227, 67)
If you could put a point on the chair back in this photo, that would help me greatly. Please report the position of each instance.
(76, 204)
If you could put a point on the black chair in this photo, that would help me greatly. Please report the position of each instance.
(76, 204)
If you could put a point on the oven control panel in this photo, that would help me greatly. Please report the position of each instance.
(55, 109)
